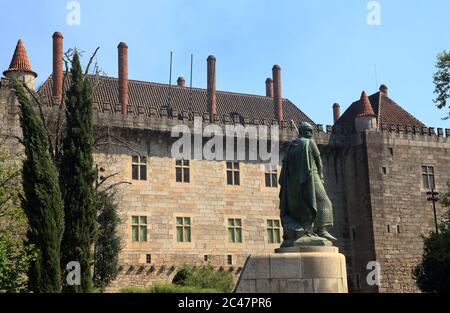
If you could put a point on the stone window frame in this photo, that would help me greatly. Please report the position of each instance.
(139, 163)
(184, 166)
(183, 223)
(270, 181)
(233, 170)
(271, 228)
(391, 151)
(234, 230)
(426, 175)
(140, 225)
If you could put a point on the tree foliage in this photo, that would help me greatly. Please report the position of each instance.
(442, 81)
(15, 256)
(432, 274)
(204, 278)
(108, 243)
(77, 177)
(15, 260)
(41, 202)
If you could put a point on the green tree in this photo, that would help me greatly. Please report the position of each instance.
(108, 243)
(42, 201)
(442, 81)
(15, 260)
(15, 257)
(77, 177)
(432, 274)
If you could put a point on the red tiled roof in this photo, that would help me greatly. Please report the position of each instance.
(20, 61)
(387, 111)
(147, 96)
(364, 106)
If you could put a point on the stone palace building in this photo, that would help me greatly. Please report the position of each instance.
(379, 163)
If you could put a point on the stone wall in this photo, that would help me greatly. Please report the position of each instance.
(347, 184)
(400, 210)
(207, 200)
(9, 120)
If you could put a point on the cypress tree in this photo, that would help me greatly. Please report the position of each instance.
(77, 177)
(42, 201)
(108, 244)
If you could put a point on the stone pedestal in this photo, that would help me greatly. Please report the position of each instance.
(303, 269)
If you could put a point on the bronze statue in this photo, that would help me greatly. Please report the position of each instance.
(306, 211)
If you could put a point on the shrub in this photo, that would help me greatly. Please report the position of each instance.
(191, 279)
(204, 277)
(168, 288)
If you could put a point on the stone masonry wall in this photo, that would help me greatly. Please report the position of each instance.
(347, 184)
(207, 200)
(401, 214)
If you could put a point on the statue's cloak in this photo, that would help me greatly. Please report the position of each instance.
(298, 203)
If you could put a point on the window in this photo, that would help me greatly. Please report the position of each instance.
(271, 176)
(353, 233)
(233, 173)
(398, 229)
(428, 177)
(391, 151)
(229, 259)
(384, 170)
(139, 167)
(139, 228)
(183, 229)
(273, 231)
(388, 227)
(235, 230)
(182, 171)
(205, 258)
(358, 281)
(148, 258)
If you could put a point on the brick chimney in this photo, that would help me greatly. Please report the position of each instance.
(123, 77)
(181, 82)
(384, 89)
(277, 95)
(211, 92)
(57, 65)
(336, 112)
(269, 87)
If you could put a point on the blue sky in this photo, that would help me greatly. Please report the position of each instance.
(326, 48)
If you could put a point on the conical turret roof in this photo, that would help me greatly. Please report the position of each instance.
(20, 61)
(364, 107)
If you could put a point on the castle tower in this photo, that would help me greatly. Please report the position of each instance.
(20, 66)
(365, 117)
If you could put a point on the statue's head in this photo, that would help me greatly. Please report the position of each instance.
(305, 130)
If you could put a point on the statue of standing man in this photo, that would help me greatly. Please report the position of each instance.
(306, 211)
